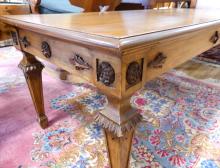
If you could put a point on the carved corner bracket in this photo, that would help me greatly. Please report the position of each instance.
(118, 130)
(105, 73)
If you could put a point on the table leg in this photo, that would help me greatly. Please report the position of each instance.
(32, 70)
(119, 149)
(119, 121)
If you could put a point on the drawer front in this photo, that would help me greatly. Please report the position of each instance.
(85, 63)
(170, 53)
(71, 57)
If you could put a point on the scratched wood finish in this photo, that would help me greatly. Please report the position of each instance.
(122, 56)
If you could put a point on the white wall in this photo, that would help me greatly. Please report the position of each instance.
(213, 4)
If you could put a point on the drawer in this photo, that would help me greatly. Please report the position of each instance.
(73, 58)
(172, 52)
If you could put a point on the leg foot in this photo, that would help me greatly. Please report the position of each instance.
(119, 149)
(43, 121)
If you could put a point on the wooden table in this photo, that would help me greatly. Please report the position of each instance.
(11, 9)
(117, 52)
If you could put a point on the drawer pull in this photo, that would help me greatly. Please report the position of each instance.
(45, 49)
(80, 63)
(214, 39)
(158, 61)
(25, 42)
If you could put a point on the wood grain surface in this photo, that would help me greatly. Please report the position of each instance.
(113, 29)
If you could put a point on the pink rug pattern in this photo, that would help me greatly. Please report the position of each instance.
(181, 126)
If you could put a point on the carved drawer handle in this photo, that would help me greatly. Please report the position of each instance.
(80, 63)
(158, 61)
(25, 42)
(214, 39)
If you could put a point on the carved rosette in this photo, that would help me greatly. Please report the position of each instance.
(106, 73)
(45, 48)
(134, 73)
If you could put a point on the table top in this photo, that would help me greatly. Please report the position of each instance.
(118, 25)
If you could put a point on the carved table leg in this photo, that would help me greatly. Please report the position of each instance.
(32, 70)
(119, 149)
(119, 121)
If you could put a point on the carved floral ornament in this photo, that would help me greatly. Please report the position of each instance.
(80, 63)
(215, 37)
(158, 61)
(25, 42)
(45, 49)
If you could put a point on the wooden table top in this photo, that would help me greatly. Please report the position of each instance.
(121, 26)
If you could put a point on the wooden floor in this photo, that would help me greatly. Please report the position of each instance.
(200, 70)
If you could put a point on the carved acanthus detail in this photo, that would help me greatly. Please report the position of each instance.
(80, 63)
(158, 61)
(45, 48)
(214, 39)
(118, 130)
(106, 73)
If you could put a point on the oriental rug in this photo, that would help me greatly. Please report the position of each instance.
(181, 126)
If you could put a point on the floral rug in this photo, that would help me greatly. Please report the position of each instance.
(181, 126)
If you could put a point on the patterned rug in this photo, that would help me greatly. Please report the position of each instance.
(211, 56)
(181, 127)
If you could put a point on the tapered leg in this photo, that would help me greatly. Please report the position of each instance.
(32, 70)
(119, 149)
(119, 121)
